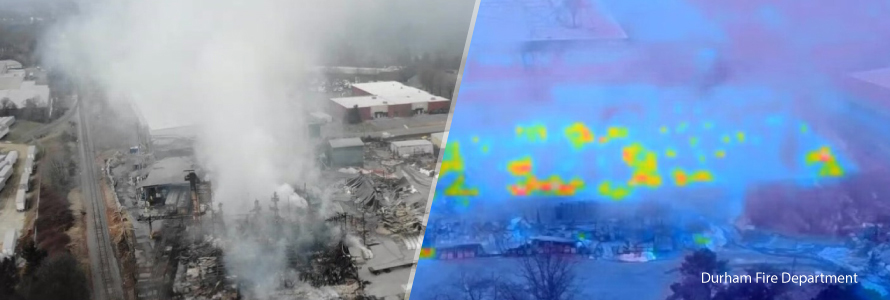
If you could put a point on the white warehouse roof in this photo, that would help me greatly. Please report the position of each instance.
(369, 101)
(411, 143)
(388, 89)
(27, 90)
(348, 142)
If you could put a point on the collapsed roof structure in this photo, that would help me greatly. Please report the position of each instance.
(366, 194)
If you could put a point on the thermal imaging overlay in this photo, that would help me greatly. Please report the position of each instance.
(634, 149)
(645, 142)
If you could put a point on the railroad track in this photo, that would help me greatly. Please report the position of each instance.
(107, 284)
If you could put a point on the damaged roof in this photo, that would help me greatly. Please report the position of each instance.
(168, 171)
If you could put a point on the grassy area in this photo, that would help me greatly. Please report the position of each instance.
(21, 128)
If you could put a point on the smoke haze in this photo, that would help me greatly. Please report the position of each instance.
(231, 68)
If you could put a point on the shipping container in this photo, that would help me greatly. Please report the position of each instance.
(29, 167)
(32, 152)
(7, 121)
(20, 204)
(9, 243)
(25, 183)
(413, 147)
(12, 157)
(5, 173)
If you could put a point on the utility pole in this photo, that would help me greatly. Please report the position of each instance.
(274, 206)
(364, 230)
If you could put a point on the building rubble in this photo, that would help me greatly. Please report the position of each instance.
(201, 274)
(403, 219)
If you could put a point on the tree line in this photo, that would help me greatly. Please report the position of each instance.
(44, 277)
(29, 112)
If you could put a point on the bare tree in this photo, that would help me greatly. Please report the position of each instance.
(568, 11)
(575, 8)
(506, 290)
(549, 276)
(7, 107)
(475, 286)
(8, 278)
(472, 286)
(58, 172)
(58, 278)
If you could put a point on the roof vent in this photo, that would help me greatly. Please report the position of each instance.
(432, 98)
(384, 102)
(373, 97)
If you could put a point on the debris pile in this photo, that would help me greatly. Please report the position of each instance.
(402, 219)
(367, 194)
(201, 275)
(328, 267)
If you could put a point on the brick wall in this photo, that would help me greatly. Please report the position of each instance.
(400, 110)
(433, 106)
(340, 113)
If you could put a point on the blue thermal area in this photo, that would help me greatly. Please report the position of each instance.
(664, 20)
(736, 113)
(772, 18)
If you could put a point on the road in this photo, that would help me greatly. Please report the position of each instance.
(37, 132)
(107, 283)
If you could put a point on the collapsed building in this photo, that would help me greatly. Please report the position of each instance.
(352, 238)
(375, 209)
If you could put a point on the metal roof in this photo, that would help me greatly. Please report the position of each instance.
(348, 142)
(369, 101)
(411, 143)
(168, 171)
(388, 89)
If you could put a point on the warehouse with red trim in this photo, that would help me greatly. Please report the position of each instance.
(388, 99)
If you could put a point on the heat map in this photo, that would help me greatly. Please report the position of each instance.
(630, 148)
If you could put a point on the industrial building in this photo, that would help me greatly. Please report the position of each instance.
(410, 148)
(388, 99)
(172, 141)
(316, 121)
(165, 176)
(346, 153)
(15, 87)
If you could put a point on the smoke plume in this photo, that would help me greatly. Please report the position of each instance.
(233, 70)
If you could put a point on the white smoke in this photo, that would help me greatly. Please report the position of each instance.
(353, 241)
(290, 198)
(232, 68)
(227, 66)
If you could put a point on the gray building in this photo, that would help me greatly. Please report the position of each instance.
(348, 152)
